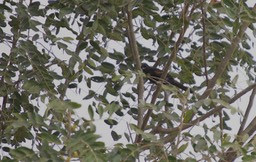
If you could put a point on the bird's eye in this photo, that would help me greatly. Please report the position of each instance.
(143, 66)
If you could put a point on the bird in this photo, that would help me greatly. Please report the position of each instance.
(155, 76)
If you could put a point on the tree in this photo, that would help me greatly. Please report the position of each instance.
(94, 51)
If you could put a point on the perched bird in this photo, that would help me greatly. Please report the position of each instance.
(155, 75)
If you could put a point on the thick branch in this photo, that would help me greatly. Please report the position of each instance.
(137, 62)
(223, 64)
(231, 154)
(205, 116)
(165, 71)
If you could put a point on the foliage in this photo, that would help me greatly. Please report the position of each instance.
(67, 64)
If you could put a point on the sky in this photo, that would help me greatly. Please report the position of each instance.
(104, 130)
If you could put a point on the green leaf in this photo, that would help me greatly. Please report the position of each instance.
(127, 136)
(35, 119)
(101, 29)
(125, 103)
(215, 36)
(85, 142)
(23, 154)
(95, 45)
(172, 116)
(6, 149)
(98, 79)
(172, 158)
(216, 135)
(117, 56)
(88, 82)
(62, 45)
(20, 121)
(116, 78)
(144, 33)
(236, 26)
(32, 86)
(112, 108)
(111, 90)
(250, 14)
(231, 11)
(229, 3)
(72, 85)
(64, 11)
(134, 110)
(35, 37)
(147, 136)
(107, 67)
(188, 116)
(201, 145)
(145, 105)
(116, 36)
(182, 148)
(130, 95)
(100, 111)
(62, 106)
(88, 70)
(91, 63)
(95, 25)
(207, 102)
(90, 95)
(51, 138)
(149, 22)
(115, 136)
(91, 112)
(111, 122)
(74, 105)
(103, 52)
(234, 81)
(223, 103)
(34, 10)
(246, 45)
(5, 7)
(82, 46)
(68, 39)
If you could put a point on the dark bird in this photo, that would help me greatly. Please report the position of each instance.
(155, 75)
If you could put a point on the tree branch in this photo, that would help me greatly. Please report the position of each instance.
(248, 110)
(204, 42)
(223, 64)
(165, 71)
(231, 154)
(208, 114)
(137, 62)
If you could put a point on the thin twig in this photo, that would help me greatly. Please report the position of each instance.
(130, 134)
(248, 110)
(204, 42)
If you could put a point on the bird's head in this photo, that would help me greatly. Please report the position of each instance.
(144, 66)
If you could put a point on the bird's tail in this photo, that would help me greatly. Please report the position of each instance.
(177, 84)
